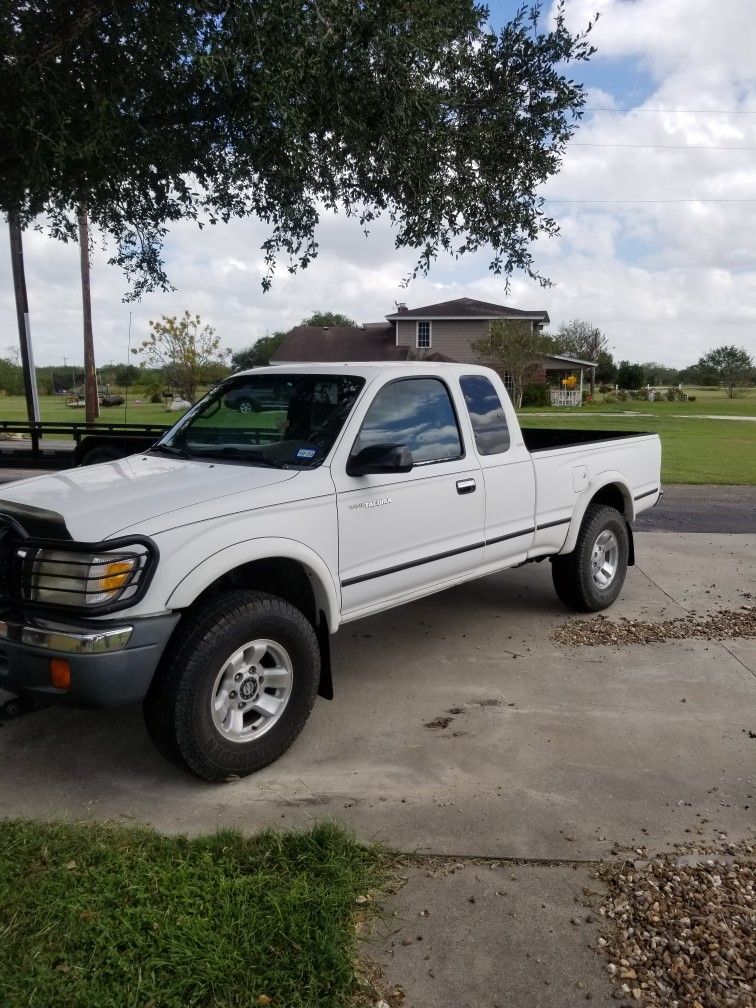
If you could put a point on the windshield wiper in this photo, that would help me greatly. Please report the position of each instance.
(165, 449)
(234, 452)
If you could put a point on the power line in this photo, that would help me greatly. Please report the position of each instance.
(624, 111)
(691, 199)
(696, 147)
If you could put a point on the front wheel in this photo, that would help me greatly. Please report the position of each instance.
(591, 577)
(236, 687)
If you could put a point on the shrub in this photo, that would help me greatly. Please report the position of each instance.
(622, 395)
(536, 394)
(611, 397)
(606, 388)
(691, 398)
(675, 395)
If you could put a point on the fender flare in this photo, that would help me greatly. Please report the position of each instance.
(327, 596)
(600, 481)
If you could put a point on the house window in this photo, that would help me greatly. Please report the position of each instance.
(508, 380)
(423, 335)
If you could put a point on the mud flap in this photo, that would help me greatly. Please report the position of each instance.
(325, 687)
(630, 546)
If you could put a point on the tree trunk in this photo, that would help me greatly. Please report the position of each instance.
(91, 397)
(22, 315)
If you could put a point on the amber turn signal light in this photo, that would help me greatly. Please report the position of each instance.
(60, 673)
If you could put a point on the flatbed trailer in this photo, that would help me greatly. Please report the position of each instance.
(54, 444)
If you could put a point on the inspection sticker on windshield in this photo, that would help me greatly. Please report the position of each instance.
(306, 453)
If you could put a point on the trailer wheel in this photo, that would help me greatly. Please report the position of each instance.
(591, 577)
(235, 687)
(99, 453)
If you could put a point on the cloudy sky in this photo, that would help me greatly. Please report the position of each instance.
(656, 201)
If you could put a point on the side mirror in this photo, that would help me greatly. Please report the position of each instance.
(380, 458)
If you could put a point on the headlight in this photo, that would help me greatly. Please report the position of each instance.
(82, 578)
(75, 579)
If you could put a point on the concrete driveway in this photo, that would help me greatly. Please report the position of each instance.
(506, 763)
(551, 752)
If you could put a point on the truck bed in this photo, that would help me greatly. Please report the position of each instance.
(539, 439)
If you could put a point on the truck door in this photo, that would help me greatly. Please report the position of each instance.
(508, 474)
(400, 533)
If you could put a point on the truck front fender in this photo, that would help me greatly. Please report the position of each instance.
(598, 483)
(327, 597)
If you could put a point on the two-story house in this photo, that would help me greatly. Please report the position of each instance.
(445, 331)
(451, 327)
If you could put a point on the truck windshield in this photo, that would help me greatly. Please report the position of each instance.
(281, 420)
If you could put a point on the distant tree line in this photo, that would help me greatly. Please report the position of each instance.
(512, 347)
(259, 353)
(181, 355)
(727, 367)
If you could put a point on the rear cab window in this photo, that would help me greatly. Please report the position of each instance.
(487, 416)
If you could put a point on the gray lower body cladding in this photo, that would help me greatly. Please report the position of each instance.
(106, 679)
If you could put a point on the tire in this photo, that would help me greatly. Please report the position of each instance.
(247, 406)
(239, 636)
(100, 453)
(581, 582)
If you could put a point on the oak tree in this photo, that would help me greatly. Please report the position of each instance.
(151, 113)
(515, 348)
(729, 366)
(327, 319)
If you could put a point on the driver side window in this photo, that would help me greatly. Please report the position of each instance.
(416, 413)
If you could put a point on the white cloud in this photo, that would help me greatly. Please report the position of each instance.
(665, 280)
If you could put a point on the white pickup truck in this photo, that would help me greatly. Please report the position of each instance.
(204, 576)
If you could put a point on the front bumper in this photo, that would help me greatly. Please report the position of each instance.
(111, 662)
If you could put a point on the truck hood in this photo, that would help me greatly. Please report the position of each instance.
(97, 502)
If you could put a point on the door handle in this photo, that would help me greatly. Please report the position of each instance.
(466, 486)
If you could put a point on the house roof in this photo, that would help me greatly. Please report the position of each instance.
(557, 362)
(375, 342)
(465, 308)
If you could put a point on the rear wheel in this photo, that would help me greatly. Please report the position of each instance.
(591, 577)
(236, 687)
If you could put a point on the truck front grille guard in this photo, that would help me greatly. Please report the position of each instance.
(23, 571)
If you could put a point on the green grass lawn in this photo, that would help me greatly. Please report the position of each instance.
(95, 915)
(53, 408)
(694, 450)
(707, 401)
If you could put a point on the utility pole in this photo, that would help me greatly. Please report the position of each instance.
(22, 315)
(91, 397)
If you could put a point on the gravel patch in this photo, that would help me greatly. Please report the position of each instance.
(684, 932)
(723, 625)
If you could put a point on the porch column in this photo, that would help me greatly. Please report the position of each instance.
(581, 387)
